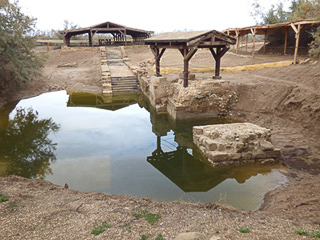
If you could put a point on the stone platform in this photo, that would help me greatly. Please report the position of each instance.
(202, 99)
(235, 143)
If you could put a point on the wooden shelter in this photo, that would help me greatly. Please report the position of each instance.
(269, 29)
(188, 43)
(119, 33)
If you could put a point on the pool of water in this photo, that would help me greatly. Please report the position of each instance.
(120, 145)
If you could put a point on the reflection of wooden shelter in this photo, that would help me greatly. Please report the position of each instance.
(269, 29)
(119, 33)
(182, 169)
(191, 174)
(188, 43)
(113, 103)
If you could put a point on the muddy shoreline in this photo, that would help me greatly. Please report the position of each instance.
(285, 100)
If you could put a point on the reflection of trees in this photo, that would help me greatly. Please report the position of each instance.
(25, 145)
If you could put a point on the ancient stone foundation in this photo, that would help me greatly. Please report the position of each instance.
(202, 99)
(227, 144)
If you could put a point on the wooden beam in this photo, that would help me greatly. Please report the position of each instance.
(157, 55)
(157, 62)
(191, 53)
(162, 52)
(213, 53)
(297, 44)
(285, 41)
(125, 37)
(264, 42)
(90, 38)
(238, 40)
(294, 28)
(217, 57)
(185, 67)
(253, 31)
(247, 43)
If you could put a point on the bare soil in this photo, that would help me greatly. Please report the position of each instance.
(286, 99)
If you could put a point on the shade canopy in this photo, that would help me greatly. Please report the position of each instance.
(118, 31)
(188, 43)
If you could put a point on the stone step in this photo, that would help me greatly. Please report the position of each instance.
(125, 89)
(122, 78)
(124, 85)
(125, 81)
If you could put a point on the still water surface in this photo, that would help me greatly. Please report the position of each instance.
(120, 146)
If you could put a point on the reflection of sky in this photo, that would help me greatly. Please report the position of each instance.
(102, 150)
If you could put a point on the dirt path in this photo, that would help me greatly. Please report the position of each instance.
(285, 99)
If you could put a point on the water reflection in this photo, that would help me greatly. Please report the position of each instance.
(191, 173)
(107, 102)
(26, 149)
(120, 145)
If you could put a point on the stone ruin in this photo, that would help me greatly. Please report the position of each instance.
(202, 99)
(235, 143)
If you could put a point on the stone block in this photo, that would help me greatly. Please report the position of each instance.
(211, 145)
(228, 144)
(216, 156)
(105, 68)
(258, 155)
(246, 156)
(266, 146)
(197, 130)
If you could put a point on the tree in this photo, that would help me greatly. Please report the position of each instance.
(26, 146)
(18, 62)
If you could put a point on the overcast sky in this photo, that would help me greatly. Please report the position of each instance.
(158, 16)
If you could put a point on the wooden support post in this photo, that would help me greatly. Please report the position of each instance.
(217, 57)
(285, 42)
(66, 40)
(253, 31)
(297, 42)
(157, 63)
(185, 73)
(48, 47)
(247, 43)
(218, 61)
(238, 40)
(157, 55)
(187, 55)
(90, 38)
(264, 42)
(125, 37)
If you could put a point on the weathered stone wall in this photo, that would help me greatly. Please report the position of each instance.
(227, 144)
(201, 99)
(105, 72)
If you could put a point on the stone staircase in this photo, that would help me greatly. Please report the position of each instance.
(125, 84)
(121, 77)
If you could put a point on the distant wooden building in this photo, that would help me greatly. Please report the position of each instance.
(295, 27)
(188, 43)
(119, 33)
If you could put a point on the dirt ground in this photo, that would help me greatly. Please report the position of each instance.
(286, 99)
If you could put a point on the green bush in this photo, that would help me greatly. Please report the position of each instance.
(315, 44)
(18, 62)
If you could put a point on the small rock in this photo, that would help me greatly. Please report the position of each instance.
(190, 236)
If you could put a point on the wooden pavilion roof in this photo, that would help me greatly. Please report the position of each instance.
(107, 27)
(262, 29)
(188, 44)
(201, 39)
